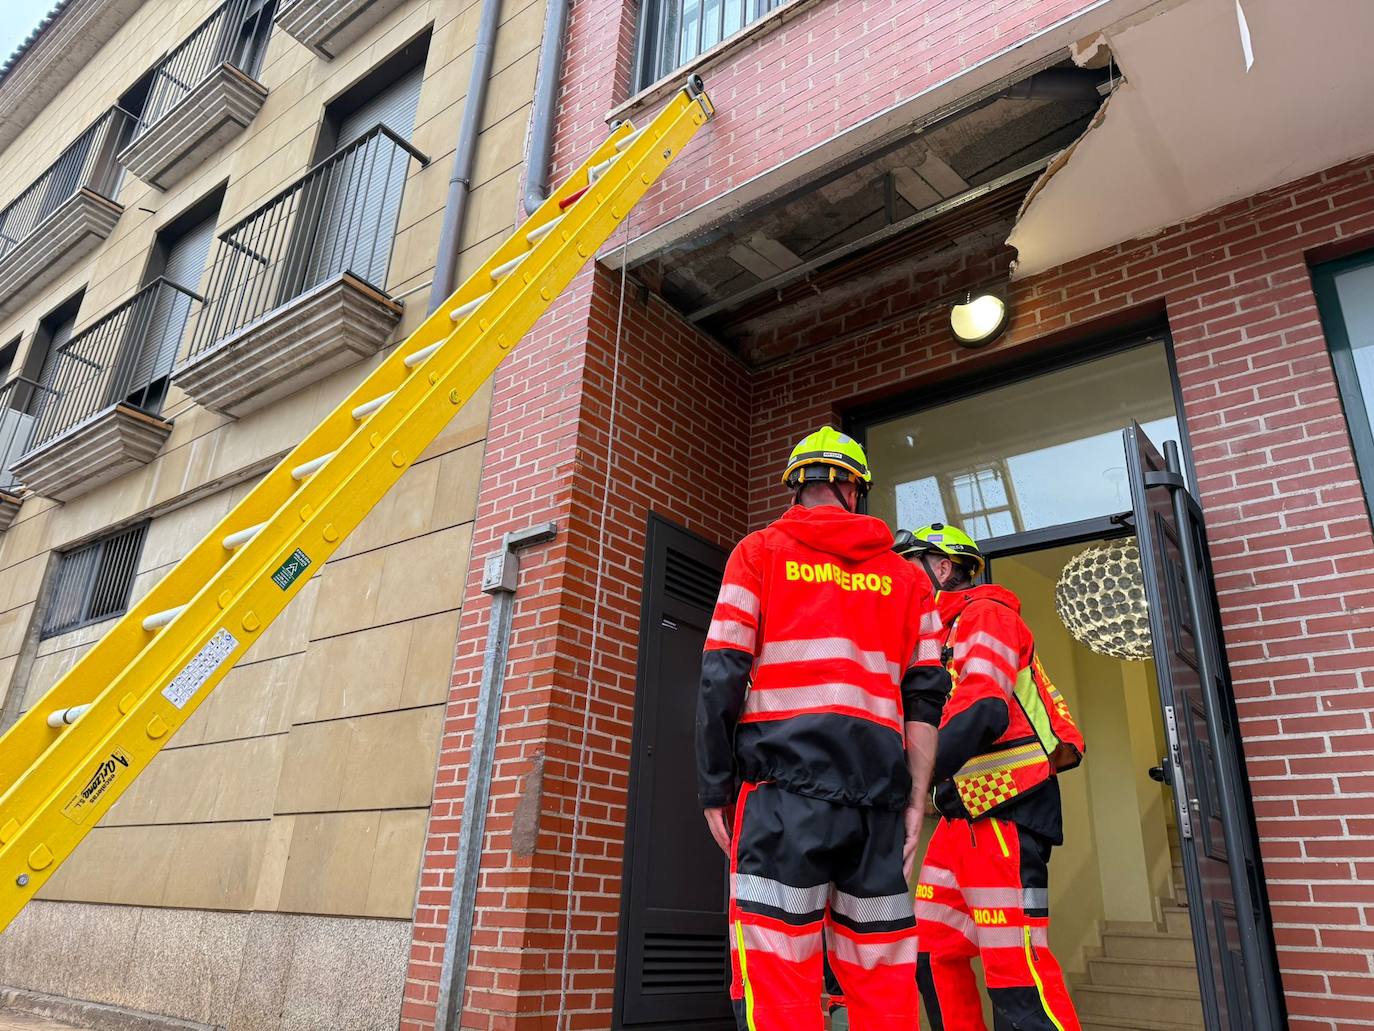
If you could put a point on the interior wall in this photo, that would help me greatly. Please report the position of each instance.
(1114, 863)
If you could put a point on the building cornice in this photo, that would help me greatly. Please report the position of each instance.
(64, 42)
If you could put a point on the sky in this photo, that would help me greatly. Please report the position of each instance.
(17, 19)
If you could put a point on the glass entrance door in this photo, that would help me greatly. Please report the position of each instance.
(1027, 456)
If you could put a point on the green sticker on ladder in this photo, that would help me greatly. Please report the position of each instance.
(291, 569)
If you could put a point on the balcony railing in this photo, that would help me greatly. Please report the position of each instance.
(672, 32)
(18, 399)
(236, 34)
(88, 163)
(339, 217)
(125, 357)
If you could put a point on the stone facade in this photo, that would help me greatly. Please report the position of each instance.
(267, 862)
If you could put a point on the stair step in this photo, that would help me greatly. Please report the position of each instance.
(1136, 1024)
(1157, 945)
(1107, 1004)
(1172, 975)
(1176, 922)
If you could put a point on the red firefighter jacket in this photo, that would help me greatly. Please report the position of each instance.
(822, 645)
(1006, 731)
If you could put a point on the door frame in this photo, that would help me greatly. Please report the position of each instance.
(857, 420)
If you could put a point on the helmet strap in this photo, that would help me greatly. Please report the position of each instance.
(839, 495)
(950, 583)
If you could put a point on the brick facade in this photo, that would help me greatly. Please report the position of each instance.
(1286, 516)
(1290, 533)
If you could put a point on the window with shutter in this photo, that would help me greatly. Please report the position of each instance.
(166, 321)
(362, 200)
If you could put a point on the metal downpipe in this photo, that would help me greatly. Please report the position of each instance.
(460, 179)
(546, 88)
(500, 577)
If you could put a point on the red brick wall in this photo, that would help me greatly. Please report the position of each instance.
(681, 408)
(1285, 513)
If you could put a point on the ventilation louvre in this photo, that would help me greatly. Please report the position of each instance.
(688, 580)
(675, 963)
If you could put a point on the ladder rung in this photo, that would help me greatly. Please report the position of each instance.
(622, 144)
(503, 270)
(535, 235)
(368, 407)
(572, 199)
(417, 357)
(158, 620)
(60, 718)
(598, 170)
(310, 468)
(240, 537)
(461, 312)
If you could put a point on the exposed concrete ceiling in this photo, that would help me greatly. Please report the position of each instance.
(1191, 130)
(927, 197)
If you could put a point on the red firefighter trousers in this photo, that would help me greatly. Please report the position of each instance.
(807, 875)
(984, 891)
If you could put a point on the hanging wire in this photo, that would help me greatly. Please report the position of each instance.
(598, 627)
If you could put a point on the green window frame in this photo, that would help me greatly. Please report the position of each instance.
(1356, 400)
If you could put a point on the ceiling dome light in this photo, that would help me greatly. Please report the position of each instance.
(979, 320)
(1101, 600)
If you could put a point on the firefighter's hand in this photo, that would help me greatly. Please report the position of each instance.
(718, 822)
(915, 813)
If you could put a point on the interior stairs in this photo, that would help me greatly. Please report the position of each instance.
(1144, 977)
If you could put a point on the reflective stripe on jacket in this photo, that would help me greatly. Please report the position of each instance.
(822, 645)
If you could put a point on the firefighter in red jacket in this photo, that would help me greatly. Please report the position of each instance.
(821, 686)
(1005, 734)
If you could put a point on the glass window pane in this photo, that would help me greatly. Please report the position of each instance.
(1037, 453)
(1355, 288)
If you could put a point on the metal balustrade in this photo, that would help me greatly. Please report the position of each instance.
(672, 32)
(19, 398)
(235, 34)
(89, 162)
(125, 357)
(339, 217)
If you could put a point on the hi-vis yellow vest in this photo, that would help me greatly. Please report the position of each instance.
(1041, 739)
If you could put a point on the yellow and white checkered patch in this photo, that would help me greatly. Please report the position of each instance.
(981, 793)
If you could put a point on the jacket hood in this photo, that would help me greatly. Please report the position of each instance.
(951, 603)
(832, 530)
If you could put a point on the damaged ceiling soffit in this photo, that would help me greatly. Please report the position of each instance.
(1190, 129)
(919, 205)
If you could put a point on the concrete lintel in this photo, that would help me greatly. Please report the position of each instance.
(1048, 46)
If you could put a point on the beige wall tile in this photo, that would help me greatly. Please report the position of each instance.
(391, 759)
(379, 761)
(214, 866)
(396, 865)
(329, 869)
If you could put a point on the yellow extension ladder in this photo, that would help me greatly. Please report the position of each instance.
(67, 760)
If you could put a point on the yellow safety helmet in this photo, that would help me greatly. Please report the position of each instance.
(826, 456)
(947, 540)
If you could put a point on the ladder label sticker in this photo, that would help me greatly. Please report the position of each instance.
(186, 683)
(96, 785)
(291, 569)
